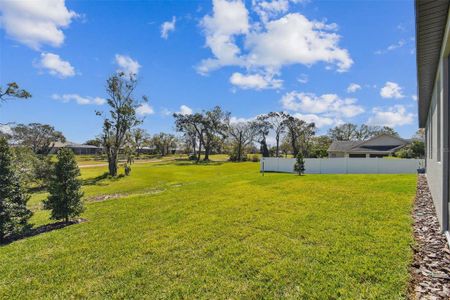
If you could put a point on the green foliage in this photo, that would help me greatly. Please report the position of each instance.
(244, 235)
(414, 150)
(14, 214)
(65, 196)
(351, 132)
(41, 138)
(13, 91)
(299, 166)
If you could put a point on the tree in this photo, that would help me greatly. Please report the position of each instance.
(65, 196)
(138, 138)
(351, 132)
(278, 124)
(414, 150)
(263, 128)
(299, 134)
(97, 142)
(163, 142)
(319, 146)
(209, 126)
(41, 138)
(120, 89)
(242, 134)
(14, 214)
(13, 91)
(299, 166)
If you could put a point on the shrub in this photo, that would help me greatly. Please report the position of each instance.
(127, 170)
(65, 195)
(14, 214)
(299, 166)
(255, 158)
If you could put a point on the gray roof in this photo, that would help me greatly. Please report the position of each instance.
(74, 145)
(358, 146)
(431, 19)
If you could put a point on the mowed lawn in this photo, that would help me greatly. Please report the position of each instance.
(221, 231)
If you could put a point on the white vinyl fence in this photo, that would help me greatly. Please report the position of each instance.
(344, 165)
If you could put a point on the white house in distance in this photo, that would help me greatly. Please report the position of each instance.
(433, 49)
(379, 146)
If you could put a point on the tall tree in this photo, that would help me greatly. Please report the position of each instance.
(64, 198)
(242, 134)
(194, 124)
(122, 116)
(351, 132)
(263, 127)
(278, 124)
(41, 138)
(300, 134)
(163, 142)
(14, 214)
(319, 146)
(13, 90)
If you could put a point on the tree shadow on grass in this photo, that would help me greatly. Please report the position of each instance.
(42, 229)
(97, 180)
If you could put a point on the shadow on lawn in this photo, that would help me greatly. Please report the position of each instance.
(97, 180)
(42, 229)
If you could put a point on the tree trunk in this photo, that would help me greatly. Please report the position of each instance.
(199, 150)
(67, 219)
(278, 146)
(112, 163)
(264, 149)
(239, 147)
(207, 149)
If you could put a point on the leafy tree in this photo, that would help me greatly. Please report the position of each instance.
(414, 150)
(14, 214)
(299, 166)
(13, 90)
(351, 132)
(242, 134)
(120, 89)
(319, 146)
(210, 126)
(299, 134)
(65, 194)
(163, 142)
(278, 124)
(41, 138)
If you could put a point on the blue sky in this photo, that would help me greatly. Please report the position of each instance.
(324, 61)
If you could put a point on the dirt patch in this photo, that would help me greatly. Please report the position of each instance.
(430, 270)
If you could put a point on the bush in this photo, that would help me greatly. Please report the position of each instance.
(127, 170)
(14, 214)
(65, 195)
(255, 158)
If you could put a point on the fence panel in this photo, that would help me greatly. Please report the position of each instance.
(344, 165)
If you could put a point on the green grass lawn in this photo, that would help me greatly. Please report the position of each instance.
(221, 231)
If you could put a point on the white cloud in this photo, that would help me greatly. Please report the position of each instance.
(353, 87)
(229, 18)
(303, 78)
(185, 110)
(55, 65)
(235, 120)
(255, 81)
(392, 116)
(144, 109)
(268, 46)
(330, 105)
(79, 99)
(36, 23)
(392, 47)
(414, 97)
(127, 64)
(319, 121)
(391, 90)
(167, 27)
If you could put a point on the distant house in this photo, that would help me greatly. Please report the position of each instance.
(379, 146)
(78, 149)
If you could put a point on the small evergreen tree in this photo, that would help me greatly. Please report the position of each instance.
(299, 166)
(65, 195)
(14, 214)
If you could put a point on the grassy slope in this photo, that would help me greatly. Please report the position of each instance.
(223, 231)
